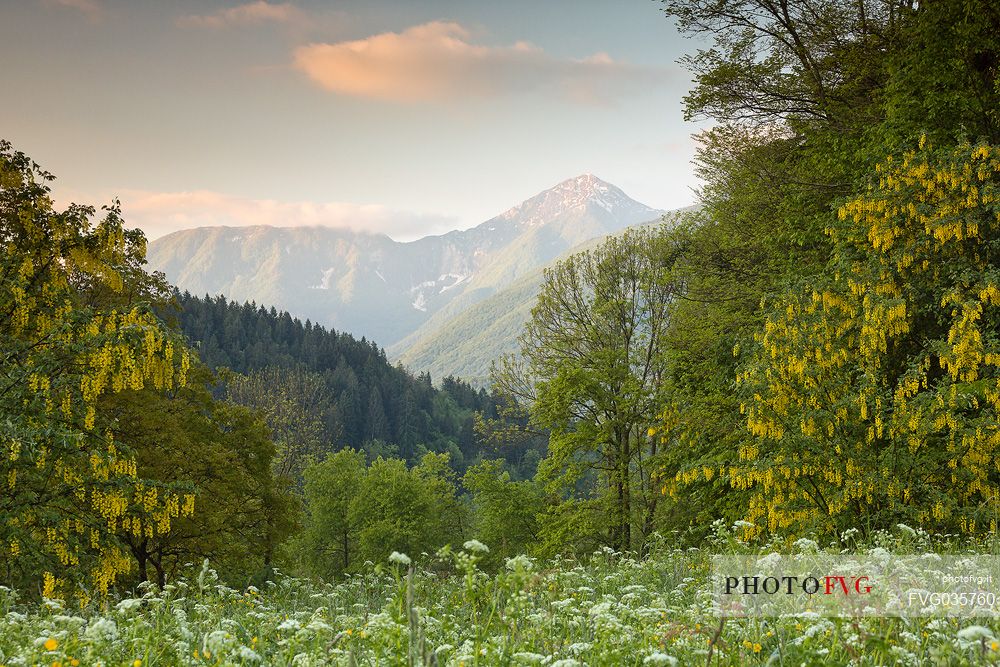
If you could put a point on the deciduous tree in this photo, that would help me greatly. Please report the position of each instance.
(69, 487)
(590, 365)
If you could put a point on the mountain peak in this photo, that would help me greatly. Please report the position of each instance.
(584, 186)
(584, 181)
(573, 193)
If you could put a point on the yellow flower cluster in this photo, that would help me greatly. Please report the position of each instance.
(844, 432)
(115, 350)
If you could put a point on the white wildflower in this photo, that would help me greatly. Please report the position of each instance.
(73, 621)
(975, 633)
(401, 559)
(476, 546)
(600, 608)
(248, 655)
(289, 625)
(216, 641)
(317, 625)
(381, 621)
(769, 562)
(128, 604)
(101, 630)
(520, 562)
(806, 546)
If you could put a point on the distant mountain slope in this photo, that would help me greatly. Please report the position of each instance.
(463, 342)
(372, 286)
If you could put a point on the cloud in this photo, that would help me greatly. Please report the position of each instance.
(89, 8)
(160, 213)
(438, 61)
(251, 13)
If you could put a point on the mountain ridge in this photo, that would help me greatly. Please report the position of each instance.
(371, 285)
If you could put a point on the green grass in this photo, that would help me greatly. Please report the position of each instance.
(606, 609)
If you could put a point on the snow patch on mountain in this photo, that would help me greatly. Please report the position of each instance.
(442, 284)
(327, 279)
(456, 279)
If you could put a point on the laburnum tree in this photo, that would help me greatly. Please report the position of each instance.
(792, 90)
(68, 488)
(807, 97)
(875, 391)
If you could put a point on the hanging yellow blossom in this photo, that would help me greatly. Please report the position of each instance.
(880, 383)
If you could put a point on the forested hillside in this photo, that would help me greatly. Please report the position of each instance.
(344, 387)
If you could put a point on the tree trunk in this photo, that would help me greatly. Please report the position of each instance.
(141, 558)
(619, 512)
(654, 496)
(626, 496)
(161, 577)
(269, 526)
(621, 534)
(346, 560)
(614, 491)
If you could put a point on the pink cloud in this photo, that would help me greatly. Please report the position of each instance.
(438, 61)
(251, 13)
(160, 213)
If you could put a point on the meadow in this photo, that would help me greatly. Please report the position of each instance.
(608, 608)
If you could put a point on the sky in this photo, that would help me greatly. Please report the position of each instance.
(406, 118)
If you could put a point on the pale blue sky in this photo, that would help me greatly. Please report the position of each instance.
(403, 117)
